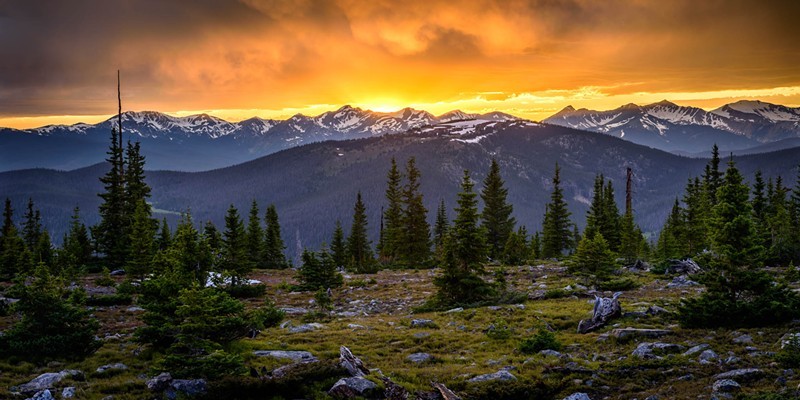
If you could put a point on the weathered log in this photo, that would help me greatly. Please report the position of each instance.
(446, 393)
(605, 309)
(351, 363)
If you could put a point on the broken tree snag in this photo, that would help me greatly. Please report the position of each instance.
(446, 393)
(351, 363)
(605, 309)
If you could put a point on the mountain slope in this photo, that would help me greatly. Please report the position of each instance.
(203, 142)
(669, 127)
(314, 185)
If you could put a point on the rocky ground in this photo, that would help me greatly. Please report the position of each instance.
(641, 355)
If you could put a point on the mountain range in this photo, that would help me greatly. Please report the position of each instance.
(203, 142)
(667, 126)
(315, 184)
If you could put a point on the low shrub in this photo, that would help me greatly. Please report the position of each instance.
(109, 300)
(542, 340)
(789, 356)
(246, 291)
(499, 330)
(618, 284)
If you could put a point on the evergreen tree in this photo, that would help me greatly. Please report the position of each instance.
(515, 250)
(595, 213)
(440, 229)
(557, 228)
(465, 253)
(414, 247)
(12, 247)
(186, 255)
(496, 216)
(164, 236)
(142, 237)
(318, 271)
(255, 238)
(778, 229)
(235, 259)
(213, 238)
(77, 247)
(358, 246)
(695, 218)
(668, 245)
(136, 189)
(712, 179)
(32, 227)
(794, 218)
(339, 246)
(632, 242)
(733, 234)
(112, 231)
(593, 258)
(392, 216)
(536, 246)
(43, 252)
(610, 227)
(273, 242)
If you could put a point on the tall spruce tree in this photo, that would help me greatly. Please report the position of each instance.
(359, 249)
(12, 248)
(669, 240)
(465, 253)
(440, 229)
(712, 178)
(255, 237)
(415, 246)
(695, 218)
(496, 216)
(235, 259)
(535, 250)
(142, 246)
(392, 216)
(136, 189)
(112, 231)
(557, 235)
(32, 226)
(77, 247)
(778, 231)
(733, 234)
(164, 236)
(213, 238)
(339, 246)
(273, 241)
(318, 271)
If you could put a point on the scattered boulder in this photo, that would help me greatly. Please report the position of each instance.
(46, 381)
(681, 282)
(42, 395)
(444, 392)
(182, 388)
(294, 310)
(652, 350)
(726, 386)
(656, 310)
(743, 339)
(605, 309)
(787, 339)
(708, 357)
(501, 375)
(744, 374)
(454, 310)
(117, 272)
(108, 368)
(639, 266)
(686, 266)
(160, 382)
(696, 349)
(419, 358)
(296, 356)
(68, 392)
(625, 333)
(422, 323)
(393, 391)
(578, 396)
(551, 353)
(305, 328)
(352, 387)
(351, 363)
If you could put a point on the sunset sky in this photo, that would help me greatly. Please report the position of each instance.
(273, 59)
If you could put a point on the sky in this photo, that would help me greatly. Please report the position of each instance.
(276, 58)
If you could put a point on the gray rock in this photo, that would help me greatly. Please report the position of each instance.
(696, 349)
(421, 335)
(352, 387)
(111, 367)
(788, 338)
(653, 397)
(732, 360)
(551, 353)
(46, 381)
(726, 386)
(296, 356)
(501, 375)
(182, 388)
(652, 350)
(656, 310)
(294, 310)
(135, 309)
(305, 328)
(419, 358)
(744, 339)
(708, 357)
(355, 326)
(625, 333)
(422, 323)
(578, 396)
(454, 310)
(42, 395)
(159, 382)
(744, 374)
(117, 272)
(687, 266)
(681, 282)
(68, 392)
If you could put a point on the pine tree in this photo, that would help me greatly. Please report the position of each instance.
(632, 242)
(136, 189)
(695, 218)
(142, 245)
(778, 229)
(12, 247)
(255, 238)
(392, 216)
(213, 238)
(77, 247)
(610, 227)
(185, 255)
(669, 245)
(164, 236)
(440, 229)
(733, 234)
(593, 258)
(595, 213)
(358, 246)
(339, 246)
(535, 246)
(414, 247)
(712, 179)
(496, 216)
(31, 227)
(318, 271)
(557, 227)
(235, 258)
(465, 253)
(273, 242)
(112, 231)
(515, 250)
